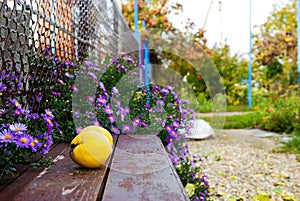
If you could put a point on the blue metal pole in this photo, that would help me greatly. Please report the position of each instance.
(298, 44)
(137, 36)
(147, 63)
(147, 59)
(250, 60)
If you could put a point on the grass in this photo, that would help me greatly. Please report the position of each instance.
(228, 108)
(253, 120)
(248, 120)
(292, 146)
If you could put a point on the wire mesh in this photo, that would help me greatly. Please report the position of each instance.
(39, 37)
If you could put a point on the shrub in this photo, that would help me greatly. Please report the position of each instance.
(283, 116)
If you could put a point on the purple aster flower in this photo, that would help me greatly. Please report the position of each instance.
(159, 109)
(97, 69)
(38, 97)
(75, 89)
(126, 128)
(115, 91)
(6, 137)
(15, 103)
(18, 128)
(111, 118)
(60, 82)
(191, 124)
(88, 63)
(164, 91)
(26, 112)
(175, 124)
(136, 121)
(108, 110)
(46, 146)
(195, 198)
(127, 110)
(18, 112)
(173, 133)
(160, 103)
(101, 85)
(76, 114)
(129, 59)
(184, 102)
(101, 100)
(114, 60)
(96, 123)
(155, 88)
(144, 125)
(67, 74)
(168, 128)
(2, 111)
(49, 124)
(90, 99)
(35, 144)
(54, 93)
(68, 62)
(115, 130)
(175, 95)
(78, 130)
(92, 75)
(121, 67)
(23, 141)
(49, 113)
(171, 88)
(192, 175)
(2, 87)
(123, 53)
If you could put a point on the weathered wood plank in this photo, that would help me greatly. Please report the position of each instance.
(6, 181)
(63, 181)
(142, 170)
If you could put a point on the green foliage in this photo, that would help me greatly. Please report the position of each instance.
(188, 170)
(292, 146)
(247, 120)
(283, 116)
(275, 49)
(233, 71)
(205, 104)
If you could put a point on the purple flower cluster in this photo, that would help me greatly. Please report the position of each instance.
(16, 128)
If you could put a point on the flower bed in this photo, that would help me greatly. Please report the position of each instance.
(107, 96)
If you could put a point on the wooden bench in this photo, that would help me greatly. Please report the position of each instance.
(139, 169)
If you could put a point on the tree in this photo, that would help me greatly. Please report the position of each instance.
(233, 70)
(182, 50)
(275, 47)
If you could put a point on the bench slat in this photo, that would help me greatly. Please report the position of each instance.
(142, 170)
(7, 180)
(63, 181)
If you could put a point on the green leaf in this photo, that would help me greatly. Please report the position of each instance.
(190, 189)
(277, 190)
(263, 196)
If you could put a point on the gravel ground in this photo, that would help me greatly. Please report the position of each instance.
(242, 166)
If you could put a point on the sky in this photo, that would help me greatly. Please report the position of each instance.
(233, 21)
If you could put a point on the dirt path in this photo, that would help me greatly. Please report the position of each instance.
(242, 166)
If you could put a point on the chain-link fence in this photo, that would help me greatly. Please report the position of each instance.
(40, 38)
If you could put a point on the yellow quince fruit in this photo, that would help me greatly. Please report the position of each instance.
(91, 148)
(100, 130)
